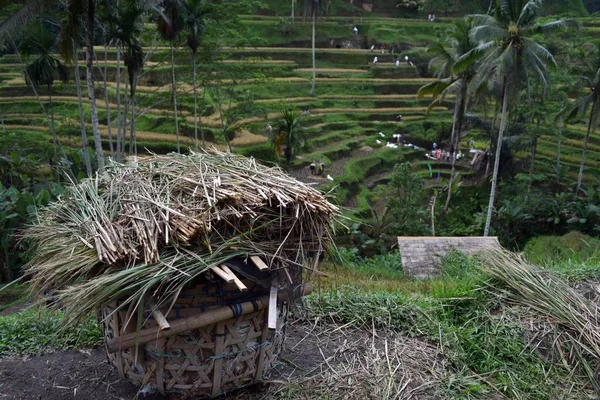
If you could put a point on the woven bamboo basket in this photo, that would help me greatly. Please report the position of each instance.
(208, 361)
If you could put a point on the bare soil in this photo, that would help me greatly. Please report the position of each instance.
(316, 356)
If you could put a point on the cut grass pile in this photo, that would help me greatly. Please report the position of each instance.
(90, 247)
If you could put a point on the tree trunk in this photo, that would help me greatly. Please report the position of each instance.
(459, 112)
(174, 94)
(125, 115)
(84, 139)
(314, 62)
(585, 146)
(106, 100)
(202, 105)
(533, 154)
(195, 103)
(54, 136)
(89, 64)
(497, 159)
(293, 10)
(558, 149)
(120, 135)
(132, 138)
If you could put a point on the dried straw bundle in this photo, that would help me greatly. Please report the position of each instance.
(150, 229)
(548, 295)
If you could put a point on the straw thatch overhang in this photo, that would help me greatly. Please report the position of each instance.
(421, 255)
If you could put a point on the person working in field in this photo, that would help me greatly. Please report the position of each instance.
(313, 167)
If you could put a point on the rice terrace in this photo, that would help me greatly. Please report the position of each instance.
(300, 199)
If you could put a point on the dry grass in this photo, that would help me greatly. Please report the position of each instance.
(571, 319)
(246, 138)
(356, 365)
(35, 128)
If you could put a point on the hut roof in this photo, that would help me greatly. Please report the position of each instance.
(421, 254)
(157, 225)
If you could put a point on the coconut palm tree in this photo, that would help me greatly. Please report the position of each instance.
(113, 37)
(313, 8)
(170, 24)
(513, 58)
(290, 137)
(84, 139)
(456, 69)
(77, 10)
(591, 80)
(128, 20)
(45, 68)
(196, 16)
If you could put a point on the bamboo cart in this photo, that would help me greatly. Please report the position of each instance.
(191, 263)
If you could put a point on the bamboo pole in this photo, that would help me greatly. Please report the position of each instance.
(197, 321)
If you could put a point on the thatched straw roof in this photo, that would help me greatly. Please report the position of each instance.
(153, 227)
(421, 255)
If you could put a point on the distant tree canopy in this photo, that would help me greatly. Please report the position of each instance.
(570, 7)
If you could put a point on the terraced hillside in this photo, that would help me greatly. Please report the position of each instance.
(353, 115)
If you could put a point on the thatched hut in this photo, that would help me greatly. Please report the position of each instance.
(191, 262)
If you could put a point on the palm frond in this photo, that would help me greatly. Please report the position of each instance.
(540, 52)
(528, 14)
(10, 27)
(557, 26)
(578, 108)
(487, 33)
(433, 89)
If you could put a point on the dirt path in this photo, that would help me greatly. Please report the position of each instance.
(312, 351)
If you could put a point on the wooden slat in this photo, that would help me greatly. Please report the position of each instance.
(222, 274)
(236, 280)
(272, 316)
(218, 365)
(159, 317)
(259, 263)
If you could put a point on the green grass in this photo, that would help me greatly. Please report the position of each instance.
(482, 335)
(38, 331)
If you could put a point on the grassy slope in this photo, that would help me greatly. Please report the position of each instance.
(354, 100)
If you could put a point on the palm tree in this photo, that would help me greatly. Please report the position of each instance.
(129, 26)
(196, 14)
(113, 36)
(313, 8)
(512, 58)
(84, 139)
(170, 24)
(290, 134)
(591, 79)
(76, 10)
(45, 68)
(456, 69)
